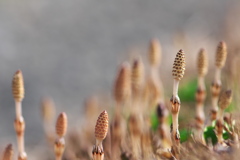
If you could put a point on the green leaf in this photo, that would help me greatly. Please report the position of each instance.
(230, 108)
(209, 133)
(154, 121)
(184, 135)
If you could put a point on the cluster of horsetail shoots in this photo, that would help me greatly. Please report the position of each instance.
(101, 130)
(221, 55)
(130, 135)
(177, 72)
(61, 129)
(19, 123)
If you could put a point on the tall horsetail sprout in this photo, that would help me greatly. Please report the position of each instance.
(122, 94)
(202, 67)
(61, 129)
(101, 130)
(19, 123)
(177, 72)
(221, 55)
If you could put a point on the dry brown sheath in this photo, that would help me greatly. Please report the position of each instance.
(18, 86)
(22, 156)
(61, 125)
(19, 126)
(59, 147)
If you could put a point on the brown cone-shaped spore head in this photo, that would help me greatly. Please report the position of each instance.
(154, 52)
(179, 65)
(122, 89)
(221, 54)
(225, 99)
(101, 127)
(18, 86)
(61, 125)
(202, 62)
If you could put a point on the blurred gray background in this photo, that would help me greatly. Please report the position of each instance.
(70, 49)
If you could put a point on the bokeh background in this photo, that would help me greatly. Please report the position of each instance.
(70, 50)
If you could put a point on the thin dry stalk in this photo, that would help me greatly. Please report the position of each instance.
(178, 72)
(19, 123)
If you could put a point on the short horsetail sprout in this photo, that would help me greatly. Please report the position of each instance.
(101, 129)
(154, 53)
(122, 90)
(19, 123)
(8, 152)
(221, 55)
(61, 129)
(177, 72)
